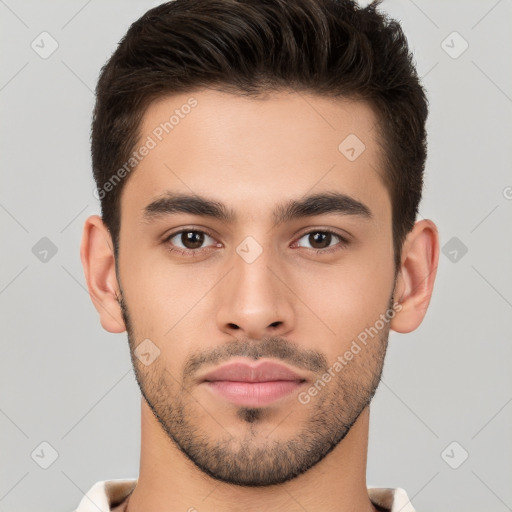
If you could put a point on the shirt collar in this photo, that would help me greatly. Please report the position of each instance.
(106, 494)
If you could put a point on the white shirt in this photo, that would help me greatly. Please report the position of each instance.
(110, 495)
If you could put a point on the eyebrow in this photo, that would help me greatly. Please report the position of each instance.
(317, 204)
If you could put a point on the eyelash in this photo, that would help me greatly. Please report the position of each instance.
(192, 252)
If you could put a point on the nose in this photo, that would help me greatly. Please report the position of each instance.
(254, 299)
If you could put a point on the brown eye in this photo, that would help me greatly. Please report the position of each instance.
(320, 239)
(192, 239)
(188, 240)
(323, 240)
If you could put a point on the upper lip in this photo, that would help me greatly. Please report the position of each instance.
(261, 372)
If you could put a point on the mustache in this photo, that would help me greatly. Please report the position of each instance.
(271, 347)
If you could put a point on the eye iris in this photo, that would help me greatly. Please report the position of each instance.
(320, 238)
(192, 239)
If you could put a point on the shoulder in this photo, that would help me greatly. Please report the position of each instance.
(106, 494)
(390, 499)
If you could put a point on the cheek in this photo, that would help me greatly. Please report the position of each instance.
(161, 296)
(163, 307)
(349, 296)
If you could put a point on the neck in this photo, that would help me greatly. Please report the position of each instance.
(169, 481)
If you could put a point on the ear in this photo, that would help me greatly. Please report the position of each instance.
(97, 255)
(415, 280)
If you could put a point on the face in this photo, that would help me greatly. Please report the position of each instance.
(255, 232)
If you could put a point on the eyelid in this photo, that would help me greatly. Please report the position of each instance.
(186, 229)
(343, 235)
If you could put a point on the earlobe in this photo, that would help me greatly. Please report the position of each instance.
(97, 255)
(415, 281)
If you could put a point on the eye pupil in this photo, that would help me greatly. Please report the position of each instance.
(192, 239)
(320, 238)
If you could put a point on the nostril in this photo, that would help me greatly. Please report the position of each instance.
(233, 326)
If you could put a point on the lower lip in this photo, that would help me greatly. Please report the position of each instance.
(254, 394)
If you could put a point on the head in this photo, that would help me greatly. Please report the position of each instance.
(260, 121)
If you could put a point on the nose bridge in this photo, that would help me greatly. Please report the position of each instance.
(253, 298)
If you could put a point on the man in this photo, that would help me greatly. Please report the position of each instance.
(259, 166)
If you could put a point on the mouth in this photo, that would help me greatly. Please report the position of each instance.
(253, 385)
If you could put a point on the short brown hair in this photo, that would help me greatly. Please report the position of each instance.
(249, 47)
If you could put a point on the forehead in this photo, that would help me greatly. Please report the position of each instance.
(255, 152)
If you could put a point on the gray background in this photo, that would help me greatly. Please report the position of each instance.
(66, 382)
